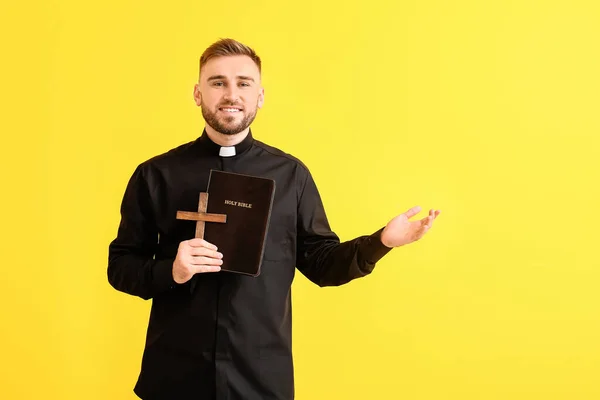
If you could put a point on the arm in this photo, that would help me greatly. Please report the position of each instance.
(131, 265)
(320, 255)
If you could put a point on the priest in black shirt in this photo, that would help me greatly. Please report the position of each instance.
(229, 337)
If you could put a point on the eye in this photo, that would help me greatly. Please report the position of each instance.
(218, 83)
(244, 84)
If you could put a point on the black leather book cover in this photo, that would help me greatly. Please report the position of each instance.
(247, 201)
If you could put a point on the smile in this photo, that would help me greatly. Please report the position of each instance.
(230, 110)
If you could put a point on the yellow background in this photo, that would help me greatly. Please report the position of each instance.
(488, 110)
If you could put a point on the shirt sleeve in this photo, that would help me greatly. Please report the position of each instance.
(321, 257)
(132, 267)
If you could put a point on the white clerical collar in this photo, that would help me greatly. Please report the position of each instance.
(228, 151)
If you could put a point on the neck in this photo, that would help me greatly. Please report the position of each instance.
(226, 140)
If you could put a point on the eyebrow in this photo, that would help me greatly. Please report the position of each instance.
(241, 77)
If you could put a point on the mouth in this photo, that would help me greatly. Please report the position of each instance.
(230, 110)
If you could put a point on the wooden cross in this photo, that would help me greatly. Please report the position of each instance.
(201, 216)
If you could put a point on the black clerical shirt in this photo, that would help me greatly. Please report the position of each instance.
(229, 337)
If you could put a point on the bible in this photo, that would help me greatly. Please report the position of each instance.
(247, 202)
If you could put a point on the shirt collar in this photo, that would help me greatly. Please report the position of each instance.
(206, 143)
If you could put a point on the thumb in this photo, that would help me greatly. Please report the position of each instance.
(412, 212)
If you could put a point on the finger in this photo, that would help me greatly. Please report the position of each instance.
(426, 223)
(205, 261)
(430, 221)
(412, 212)
(433, 212)
(427, 220)
(200, 269)
(203, 251)
(197, 242)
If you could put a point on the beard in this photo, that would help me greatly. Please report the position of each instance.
(226, 124)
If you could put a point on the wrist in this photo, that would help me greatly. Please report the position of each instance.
(383, 238)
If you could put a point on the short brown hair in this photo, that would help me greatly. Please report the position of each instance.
(229, 47)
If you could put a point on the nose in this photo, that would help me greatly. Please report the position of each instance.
(231, 94)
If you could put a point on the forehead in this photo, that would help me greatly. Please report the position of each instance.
(230, 67)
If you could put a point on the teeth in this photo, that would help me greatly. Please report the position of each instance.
(230, 109)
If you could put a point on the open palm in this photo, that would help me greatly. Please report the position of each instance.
(400, 230)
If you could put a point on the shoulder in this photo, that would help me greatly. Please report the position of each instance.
(296, 167)
(156, 165)
(172, 155)
(286, 158)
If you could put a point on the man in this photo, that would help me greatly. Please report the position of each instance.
(229, 337)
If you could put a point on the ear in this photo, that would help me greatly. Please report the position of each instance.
(197, 95)
(261, 98)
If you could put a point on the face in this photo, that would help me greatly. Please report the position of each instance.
(230, 93)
